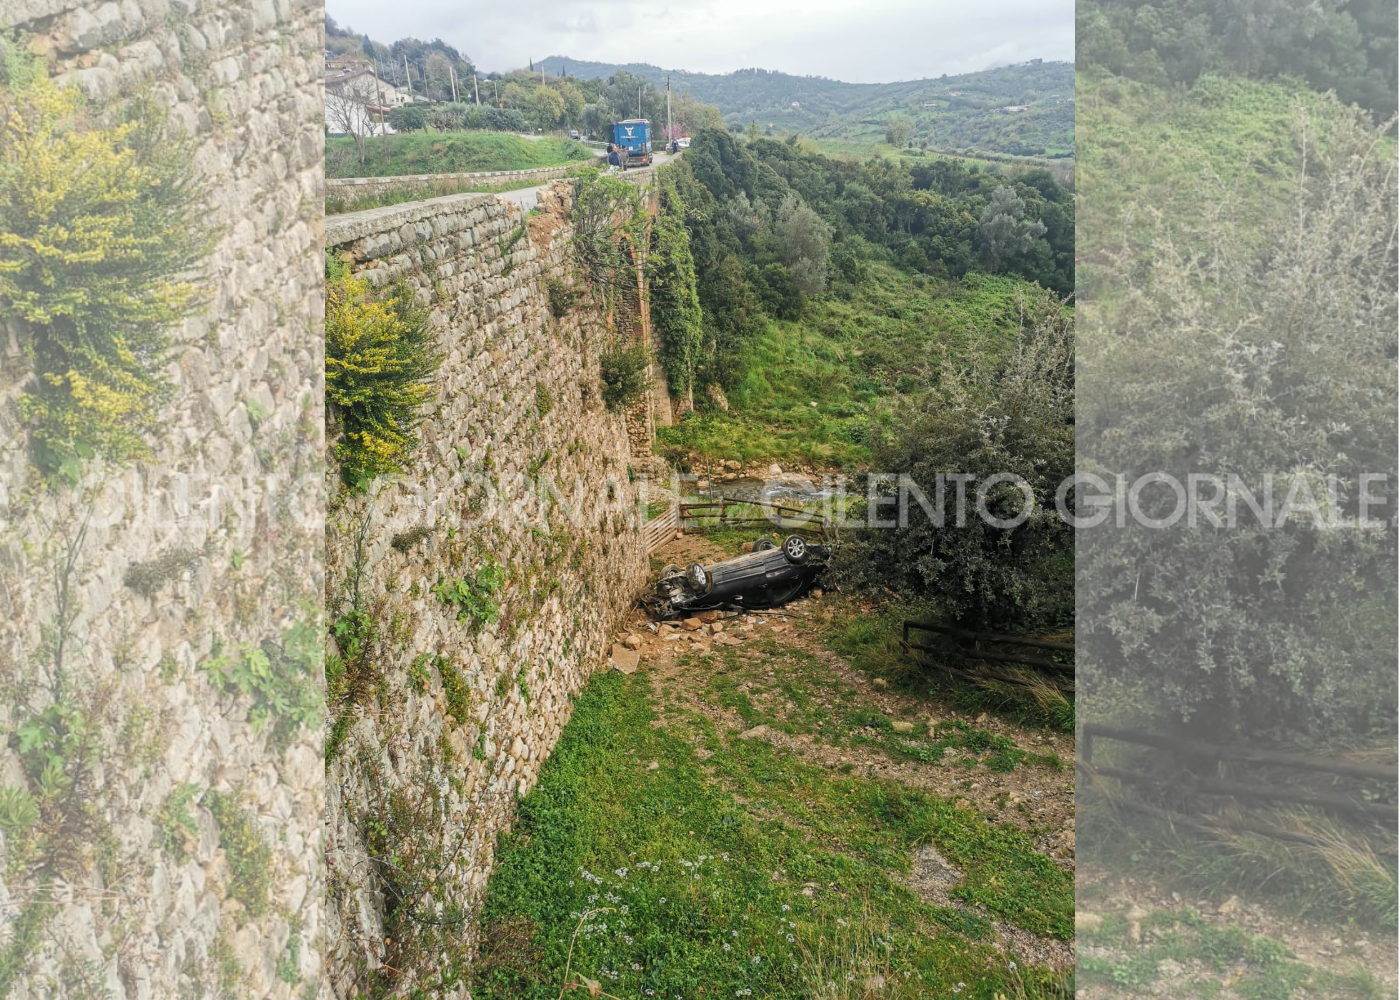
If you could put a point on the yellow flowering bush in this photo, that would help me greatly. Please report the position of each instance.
(380, 364)
(100, 233)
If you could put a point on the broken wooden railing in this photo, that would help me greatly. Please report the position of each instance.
(660, 529)
(970, 645)
(729, 512)
(1356, 779)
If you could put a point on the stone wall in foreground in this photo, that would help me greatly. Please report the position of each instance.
(465, 710)
(180, 853)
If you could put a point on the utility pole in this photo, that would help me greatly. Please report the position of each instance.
(379, 96)
(408, 79)
(452, 74)
(476, 90)
(639, 100)
(669, 137)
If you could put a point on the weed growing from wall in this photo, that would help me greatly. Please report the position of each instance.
(96, 264)
(380, 367)
(625, 371)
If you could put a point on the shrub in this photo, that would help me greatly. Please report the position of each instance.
(95, 265)
(625, 371)
(409, 118)
(994, 416)
(380, 365)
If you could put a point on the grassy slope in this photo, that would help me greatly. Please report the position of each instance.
(448, 152)
(730, 832)
(845, 355)
(1181, 153)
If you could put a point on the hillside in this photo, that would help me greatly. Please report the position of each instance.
(963, 113)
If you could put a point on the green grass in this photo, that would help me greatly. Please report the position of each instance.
(1226, 145)
(846, 355)
(448, 152)
(1207, 957)
(700, 864)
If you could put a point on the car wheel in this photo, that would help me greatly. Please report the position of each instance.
(764, 544)
(671, 570)
(795, 548)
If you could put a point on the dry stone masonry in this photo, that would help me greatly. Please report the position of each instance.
(466, 709)
(185, 855)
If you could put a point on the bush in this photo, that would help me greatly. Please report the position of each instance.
(1269, 351)
(409, 118)
(625, 371)
(380, 366)
(94, 265)
(992, 416)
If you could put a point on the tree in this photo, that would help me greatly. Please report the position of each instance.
(897, 132)
(408, 118)
(545, 108)
(805, 244)
(1262, 344)
(993, 415)
(347, 110)
(1003, 229)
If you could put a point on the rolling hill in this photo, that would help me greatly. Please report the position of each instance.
(962, 112)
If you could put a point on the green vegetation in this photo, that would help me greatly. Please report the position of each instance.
(448, 153)
(1131, 954)
(248, 855)
(339, 204)
(852, 353)
(1348, 47)
(734, 866)
(869, 638)
(965, 110)
(381, 360)
(625, 372)
(279, 678)
(1007, 414)
(95, 264)
(1216, 647)
(473, 595)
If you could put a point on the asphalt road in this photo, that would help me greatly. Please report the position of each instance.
(528, 198)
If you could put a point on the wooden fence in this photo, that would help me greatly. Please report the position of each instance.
(986, 648)
(1357, 790)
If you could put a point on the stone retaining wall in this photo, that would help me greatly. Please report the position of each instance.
(185, 852)
(434, 184)
(466, 710)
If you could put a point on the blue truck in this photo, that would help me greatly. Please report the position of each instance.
(633, 141)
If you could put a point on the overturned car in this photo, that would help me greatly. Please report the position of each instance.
(770, 575)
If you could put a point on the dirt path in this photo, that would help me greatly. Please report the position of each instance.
(1353, 962)
(770, 676)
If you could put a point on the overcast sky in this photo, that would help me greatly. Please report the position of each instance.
(859, 41)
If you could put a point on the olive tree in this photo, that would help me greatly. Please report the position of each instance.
(1003, 229)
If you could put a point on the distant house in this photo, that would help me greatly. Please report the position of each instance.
(931, 104)
(795, 104)
(1014, 107)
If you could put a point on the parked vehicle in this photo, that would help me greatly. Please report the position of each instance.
(633, 141)
(683, 142)
(770, 575)
(573, 133)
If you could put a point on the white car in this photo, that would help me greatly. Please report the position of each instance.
(683, 143)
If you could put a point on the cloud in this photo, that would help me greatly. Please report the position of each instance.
(868, 42)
